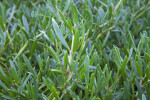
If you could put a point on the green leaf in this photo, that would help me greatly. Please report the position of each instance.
(110, 12)
(93, 58)
(22, 49)
(138, 87)
(143, 97)
(88, 17)
(47, 37)
(25, 33)
(86, 69)
(66, 58)
(86, 93)
(40, 62)
(58, 71)
(29, 66)
(14, 72)
(4, 12)
(75, 40)
(48, 83)
(33, 48)
(91, 80)
(55, 93)
(16, 92)
(74, 14)
(5, 80)
(139, 69)
(67, 5)
(130, 54)
(147, 56)
(25, 23)
(124, 64)
(1, 23)
(117, 57)
(54, 54)
(65, 21)
(73, 68)
(3, 86)
(101, 13)
(2, 72)
(6, 97)
(33, 92)
(106, 38)
(59, 34)
(51, 36)
(147, 72)
(25, 81)
(51, 50)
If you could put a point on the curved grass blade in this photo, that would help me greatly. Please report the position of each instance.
(59, 34)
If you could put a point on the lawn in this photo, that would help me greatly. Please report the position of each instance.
(74, 49)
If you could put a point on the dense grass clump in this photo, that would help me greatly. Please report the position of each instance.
(74, 49)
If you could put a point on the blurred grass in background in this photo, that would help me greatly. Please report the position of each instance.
(74, 49)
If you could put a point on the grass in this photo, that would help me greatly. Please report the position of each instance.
(74, 50)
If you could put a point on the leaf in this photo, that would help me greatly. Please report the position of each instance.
(32, 92)
(58, 71)
(86, 93)
(4, 12)
(117, 57)
(92, 80)
(59, 34)
(29, 66)
(40, 62)
(86, 69)
(124, 64)
(44, 33)
(143, 97)
(25, 33)
(21, 50)
(25, 22)
(14, 74)
(106, 38)
(65, 21)
(141, 43)
(93, 58)
(110, 12)
(55, 93)
(1, 23)
(101, 13)
(16, 92)
(48, 83)
(25, 81)
(147, 72)
(6, 97)
(67, 4)
(5, 80)
(139, 69)
(33, 48)
(66, 59)
(51, 50)
(88, 17)
(2, 72)
(51, 36)
(138, 87)
(147, 56)
(74, 13)
(75, 40)
(73, 68)
(130, 54)
(3, 86)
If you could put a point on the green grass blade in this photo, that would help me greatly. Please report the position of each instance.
(59, 34)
